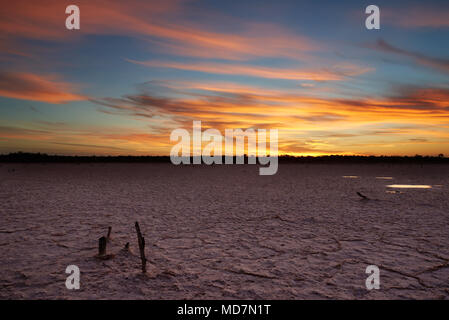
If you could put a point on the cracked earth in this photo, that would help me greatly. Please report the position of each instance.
(224, 232)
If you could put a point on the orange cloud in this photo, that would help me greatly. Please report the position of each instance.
(30, 86)
(336, 73)
(153, 21)
(23, 133)
(391, 125)
(221, 105)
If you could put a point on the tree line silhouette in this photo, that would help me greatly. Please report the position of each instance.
(24, 157)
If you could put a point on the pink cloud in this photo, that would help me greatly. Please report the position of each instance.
(30, 86)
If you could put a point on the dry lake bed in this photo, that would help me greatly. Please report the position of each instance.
(224, 232)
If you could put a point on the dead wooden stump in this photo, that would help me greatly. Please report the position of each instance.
(141, 241)
(102, 246)
(362, 196)
(102, 242)
(108, 237)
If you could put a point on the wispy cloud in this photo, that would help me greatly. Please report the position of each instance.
(353, 125)
(109, 147)
(157, 22)
(406, 112)
(418, 16)
(439, 64)
(323, 74)
(29, 86)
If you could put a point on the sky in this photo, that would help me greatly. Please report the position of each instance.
(136, 70)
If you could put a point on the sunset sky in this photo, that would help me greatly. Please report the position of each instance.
(136, 70)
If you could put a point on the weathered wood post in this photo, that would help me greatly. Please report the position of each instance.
(102, 246)
(108, 237)
(141, 241)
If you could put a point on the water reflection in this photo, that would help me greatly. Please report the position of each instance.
(393, 191)
(410, 186)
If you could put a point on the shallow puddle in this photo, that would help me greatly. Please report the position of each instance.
(410, 186)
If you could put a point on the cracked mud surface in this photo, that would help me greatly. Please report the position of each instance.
(224, 231)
